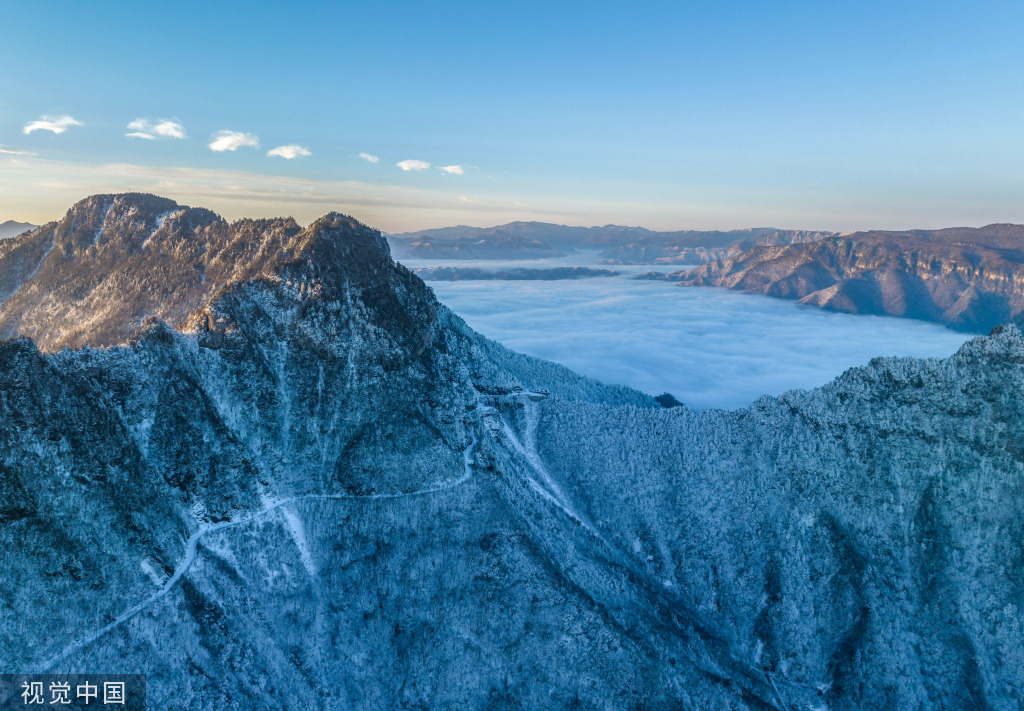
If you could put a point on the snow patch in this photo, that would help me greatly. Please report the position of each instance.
(160, 219)
(142, 432)
(102, 225)
(151, 572)
(298, 533)
(528, 449)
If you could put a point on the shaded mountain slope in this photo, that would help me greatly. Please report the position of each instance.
(324, 490)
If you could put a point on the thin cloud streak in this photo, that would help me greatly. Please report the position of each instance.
(163, 128)
(290, 151)
(453, 169)
(233, 140)
(54, 124)
(15, 152)
(416, 165)
(369, 158)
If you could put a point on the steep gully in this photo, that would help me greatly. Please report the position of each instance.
(708, 650)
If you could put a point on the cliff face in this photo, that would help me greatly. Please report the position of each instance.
(969, 279)
(324, 490)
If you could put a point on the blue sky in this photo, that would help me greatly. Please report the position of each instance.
(668, 115)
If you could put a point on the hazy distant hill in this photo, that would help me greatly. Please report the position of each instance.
(495, 243)
(967, 278)
(629, 245)
(13, 229)
(519, 274)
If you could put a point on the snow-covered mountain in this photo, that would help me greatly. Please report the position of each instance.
(321, 489)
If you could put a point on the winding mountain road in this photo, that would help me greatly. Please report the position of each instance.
(192, 545)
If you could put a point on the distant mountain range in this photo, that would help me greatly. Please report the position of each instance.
(616, 244)
(967, 278)
(10, 228)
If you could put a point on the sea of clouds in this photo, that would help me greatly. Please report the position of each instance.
(709, 347)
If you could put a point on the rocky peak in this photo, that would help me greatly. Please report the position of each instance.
(346, 234)
(336, 250)
(113, 261)
(109, 218)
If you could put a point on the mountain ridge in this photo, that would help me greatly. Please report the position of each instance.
(970, 279)
(616, 243)
(92, 277)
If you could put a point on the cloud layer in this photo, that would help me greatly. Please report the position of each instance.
(290, 151)
(55, 124)
(369, 158)
(15, 152)
(708, 347)
(413, 165)
(233, 140)
(162, 128)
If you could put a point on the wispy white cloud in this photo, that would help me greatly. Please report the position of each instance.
(292, 150)
(413, 165)
(162, 128)
(15, 152)
(453, 169)
(56, 124)
(369, 158)
(233, 140)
